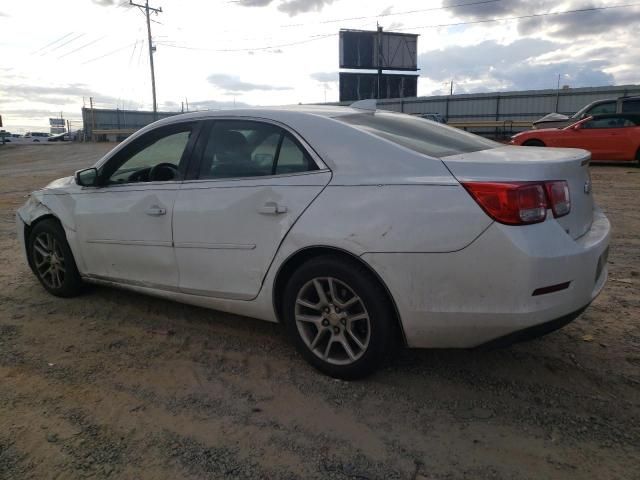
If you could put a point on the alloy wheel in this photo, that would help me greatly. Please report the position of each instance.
(48, 259)
(332, 321)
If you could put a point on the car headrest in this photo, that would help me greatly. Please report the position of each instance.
(231, 140)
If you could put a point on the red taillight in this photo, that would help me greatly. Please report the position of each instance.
(520, 203)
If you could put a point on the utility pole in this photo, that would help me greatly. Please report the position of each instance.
(147, 11)
(379, 41)
(93, 120)
(558, 93)
(451, 88)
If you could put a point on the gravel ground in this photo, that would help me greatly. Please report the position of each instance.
(117, 385)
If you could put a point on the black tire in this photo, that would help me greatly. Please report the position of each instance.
(372, 297)
(534, 143)
(638, 158)
(67, 281)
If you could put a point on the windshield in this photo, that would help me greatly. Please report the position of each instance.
(422, 136)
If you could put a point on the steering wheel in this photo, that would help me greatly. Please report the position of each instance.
(160, 170)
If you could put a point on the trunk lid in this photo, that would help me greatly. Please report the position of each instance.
(530, 164)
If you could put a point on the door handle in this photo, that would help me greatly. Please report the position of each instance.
(272, 208)
(156, 211)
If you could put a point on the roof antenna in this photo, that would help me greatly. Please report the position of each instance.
(368, 105)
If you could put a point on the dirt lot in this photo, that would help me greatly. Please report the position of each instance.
(93, 386)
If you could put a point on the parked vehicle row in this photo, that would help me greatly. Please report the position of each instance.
(358, 229)
(609, 137)
(599, 107)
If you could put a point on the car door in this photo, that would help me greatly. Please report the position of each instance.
(124, 223)
(253, 181)
(607, 138)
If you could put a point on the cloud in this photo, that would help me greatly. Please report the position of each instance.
(35, 113)
(216, 105)
(582, 23)
(232, 83)
(477, 60)
(55, 95)
(254, 3)
(290, 7)
(493, 9)
(325, 77)
(394, 26)
(112, 3)
(294, 7)
(570, 25)
(492, 66)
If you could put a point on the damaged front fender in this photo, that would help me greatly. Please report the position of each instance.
(42, 203)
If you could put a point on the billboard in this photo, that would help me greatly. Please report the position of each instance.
(56, 122)
(363, 86)
(363, 49)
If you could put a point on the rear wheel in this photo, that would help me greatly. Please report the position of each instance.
(339, 317)
(533, 143)
(52, 260)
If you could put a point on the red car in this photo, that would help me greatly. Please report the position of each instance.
(609, 137)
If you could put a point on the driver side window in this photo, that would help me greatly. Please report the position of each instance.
(609, 107)
(155, 158)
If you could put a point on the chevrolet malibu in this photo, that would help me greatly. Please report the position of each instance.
(358, 229)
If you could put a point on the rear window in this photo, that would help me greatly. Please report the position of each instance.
(419, 135)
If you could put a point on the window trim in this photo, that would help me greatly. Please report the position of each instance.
(183, 165)
(193, 172)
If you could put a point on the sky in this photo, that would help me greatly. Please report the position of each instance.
(219, 54)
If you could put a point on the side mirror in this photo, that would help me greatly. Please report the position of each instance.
(87, 177)
(577, 126)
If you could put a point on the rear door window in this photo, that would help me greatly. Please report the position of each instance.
(422, 136)
(632, 106)
(246, 148)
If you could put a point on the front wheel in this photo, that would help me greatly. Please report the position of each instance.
(51, 259)
(339, 317)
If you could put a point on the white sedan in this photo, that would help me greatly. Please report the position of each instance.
(358, 229)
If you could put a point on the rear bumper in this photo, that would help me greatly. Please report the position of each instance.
(485, 292)
(532, 332)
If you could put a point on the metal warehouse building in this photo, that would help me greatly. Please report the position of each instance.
(494, 114)
(116, 125)
(505, 112)
(524, 105)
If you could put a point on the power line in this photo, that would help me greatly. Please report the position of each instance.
(270, 47)
(390, 14)
(82, 47)
(472, 22)
(52, 43)
(107, 54)
(58, 47)
(520, 17)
